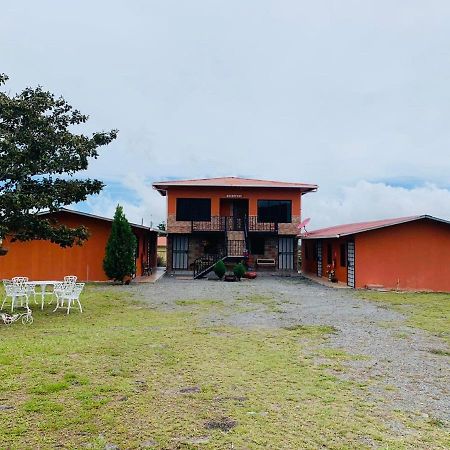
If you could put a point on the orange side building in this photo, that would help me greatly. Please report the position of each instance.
(408, 253)
(43, 260)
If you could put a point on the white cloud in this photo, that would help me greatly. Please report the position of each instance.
(142, 204)
(321, 92)
(371, 201)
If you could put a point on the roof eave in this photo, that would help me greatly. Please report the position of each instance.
(93, 216)
(162, 189)
(377, 227)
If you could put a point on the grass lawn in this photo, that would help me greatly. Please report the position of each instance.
(122, 373)
(428, 311)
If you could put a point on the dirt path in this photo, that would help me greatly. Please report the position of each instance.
(396, 360)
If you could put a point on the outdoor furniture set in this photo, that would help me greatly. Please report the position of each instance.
(20, 289)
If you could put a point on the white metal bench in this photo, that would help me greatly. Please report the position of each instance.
(267, 262)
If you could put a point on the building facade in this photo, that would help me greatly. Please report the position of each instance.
(43, 260)
(408, 253)
(231, 219)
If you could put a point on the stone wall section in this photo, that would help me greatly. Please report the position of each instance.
(289, 228)
(175, 226)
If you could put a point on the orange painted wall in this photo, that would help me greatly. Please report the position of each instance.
(252, 194)
(309, 264)
(415, 255)
(42, 260)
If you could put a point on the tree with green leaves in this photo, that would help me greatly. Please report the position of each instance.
(40, 156)
(120, 255)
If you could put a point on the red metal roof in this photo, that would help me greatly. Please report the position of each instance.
(233, 182)
(361, 227)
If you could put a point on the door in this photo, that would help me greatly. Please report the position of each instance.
(351, 264)
(240, 212)
(319, 258)
(180, 249)
(286, 253)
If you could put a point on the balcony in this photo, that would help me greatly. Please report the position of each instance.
(231, 223)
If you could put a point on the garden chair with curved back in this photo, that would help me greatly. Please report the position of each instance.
(30, 288)
(15, 291)
(60, 288)
(71, 294)
(70, 279)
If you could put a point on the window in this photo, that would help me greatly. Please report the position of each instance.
(257, 245)
(343, 256)
(277, 211)
(329, 254)
(194, 209)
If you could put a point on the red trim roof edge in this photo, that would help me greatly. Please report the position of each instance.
(332, 232)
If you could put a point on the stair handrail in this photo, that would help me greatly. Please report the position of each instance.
(208, 260)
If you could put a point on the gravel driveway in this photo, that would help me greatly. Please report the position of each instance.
(397, 360)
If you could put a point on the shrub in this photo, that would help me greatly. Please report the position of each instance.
(239, 270)
(119, 259)
(220, 269)
(160, 261)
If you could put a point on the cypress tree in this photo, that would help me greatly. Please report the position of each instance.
(119, 260)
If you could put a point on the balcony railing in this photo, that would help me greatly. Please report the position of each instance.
(231, 223)
(217, 223)
(254, 225)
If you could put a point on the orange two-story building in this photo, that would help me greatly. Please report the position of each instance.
(232, 218)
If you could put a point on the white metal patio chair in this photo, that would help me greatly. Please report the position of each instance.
(70, 279)
(15, 291)
(19, 280)
(30, 288)
(60, 288)
(70, 294)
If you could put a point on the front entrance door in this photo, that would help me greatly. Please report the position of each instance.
(239, 209)
(351, 264)
(286, 253)
(319, 258)
(180, 249)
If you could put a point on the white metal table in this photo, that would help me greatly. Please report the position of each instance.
(43, 284)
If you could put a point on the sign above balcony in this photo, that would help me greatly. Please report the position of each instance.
(233, 196)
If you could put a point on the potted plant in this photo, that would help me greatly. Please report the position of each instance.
(331, 272)
(220, 269)
(239, 271)
(229, 276)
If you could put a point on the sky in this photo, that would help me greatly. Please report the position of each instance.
(351, 95)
